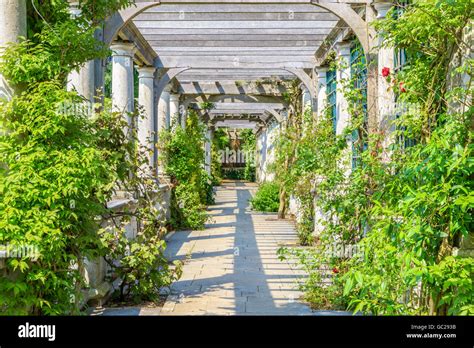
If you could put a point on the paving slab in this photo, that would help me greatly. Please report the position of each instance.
(234, 264)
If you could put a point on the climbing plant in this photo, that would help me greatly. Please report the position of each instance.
(249, 143)
(61, 162)
(183, 158)
(392, 227)
(286, 144)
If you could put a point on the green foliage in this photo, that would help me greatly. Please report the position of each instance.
(234, 173)
(206, 106)
(405, 209)
(183, 157)
(249, 143)
(323, 287)
(60, 165)
(51, 188)
(266, 198)
(140, 262)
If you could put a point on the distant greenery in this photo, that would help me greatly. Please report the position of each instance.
(266, 198)
(247, 145)
(234, 174)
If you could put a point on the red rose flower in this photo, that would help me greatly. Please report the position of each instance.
(335, 270)
(402, 89)
(385, 71)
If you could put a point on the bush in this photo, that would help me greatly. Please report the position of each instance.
(267, 198)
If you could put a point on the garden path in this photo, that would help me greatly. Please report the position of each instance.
(232, 266)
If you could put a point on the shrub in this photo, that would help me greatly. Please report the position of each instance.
(266, 198)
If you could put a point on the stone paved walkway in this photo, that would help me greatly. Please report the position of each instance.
(233, 267)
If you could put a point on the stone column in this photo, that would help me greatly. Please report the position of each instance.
(174, 110)
(12, 26)
(82, 80)
(208, 149)
(343, 51)
(321, 89)
(122, 78)
(306, 98)
(264, 158)
(164, 109)
(146, 123)
(385, 60)
(183, 116)
(162, 119)
(343, 117)
(385, 95)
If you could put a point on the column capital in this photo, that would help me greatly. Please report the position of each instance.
(303, 87)
(146, 72)
(125, 49)
(174, 97)
(321, 71)
(343, 48)
(168, 88)
(382, 7)
(211, 127)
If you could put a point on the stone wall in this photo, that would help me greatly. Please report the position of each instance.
(99, 289)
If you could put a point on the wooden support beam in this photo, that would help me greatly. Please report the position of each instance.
(236, 61)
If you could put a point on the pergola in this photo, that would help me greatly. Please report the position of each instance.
(238, 55)
(214, 51)
(221, 47)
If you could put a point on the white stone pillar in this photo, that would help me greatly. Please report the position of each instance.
(208, 149)
(183, 116)
(162, 120)
(319, 216)
(321, 89)
(82, 80)
(264, 163)
(385, 95)
(164, 109)
(146, 76)
(12, 26)
(122, 78)
(174, 110)
(385, 62)
(343, 118)
(306, 98)
(343, 51)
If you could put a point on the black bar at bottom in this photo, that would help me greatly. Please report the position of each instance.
(330, 330)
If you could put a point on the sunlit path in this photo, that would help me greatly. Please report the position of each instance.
(233, 267)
